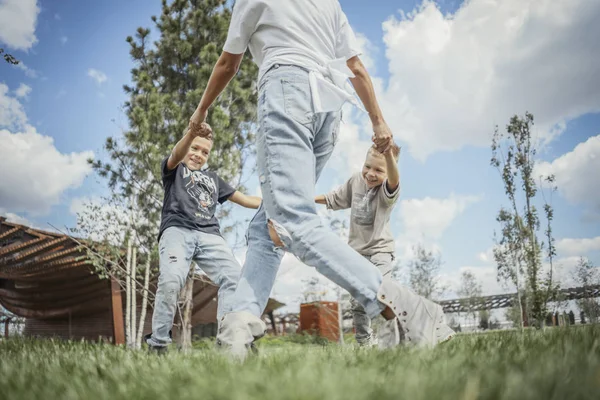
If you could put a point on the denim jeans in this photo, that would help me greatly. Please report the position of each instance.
(360, 319)
(293, 145)
(178, 247)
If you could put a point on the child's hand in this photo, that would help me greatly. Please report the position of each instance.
(382, 137)
(200, 129)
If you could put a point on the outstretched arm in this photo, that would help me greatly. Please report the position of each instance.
(225, 69)
(382, 135)
(181, 148)
(393, 175)
(244, 200)
(320, 199)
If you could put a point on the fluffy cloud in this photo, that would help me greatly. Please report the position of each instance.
(428, 218)
(33, 173)
(576, 173)
(14, 218)
(18, 19)
(577, 247)
(12, 114)
(30, 73)
(453, 77)
(350, 152)
(99, 76)
(23, 90)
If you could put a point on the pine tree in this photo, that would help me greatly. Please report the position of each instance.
(168, 80)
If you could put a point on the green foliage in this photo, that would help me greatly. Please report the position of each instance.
(168, 80)
(551, 364)
(586, 275)
(518, 253)
(423, 273)
(470, 292)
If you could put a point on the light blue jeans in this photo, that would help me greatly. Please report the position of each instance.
(178, 247)
(293, 145)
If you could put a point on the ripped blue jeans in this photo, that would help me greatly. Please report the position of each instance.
(178, 247)
(293, 145)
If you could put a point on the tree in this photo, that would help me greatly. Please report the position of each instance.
(423, 273)
(9, 58)
(470, 293)
(112, 245)
(518, 252)
(168, 80)
(587, 275)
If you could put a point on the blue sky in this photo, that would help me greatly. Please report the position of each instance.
(445, 72)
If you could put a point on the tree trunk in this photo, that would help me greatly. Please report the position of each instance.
(140, 333)
(134, 299)
(128, 295)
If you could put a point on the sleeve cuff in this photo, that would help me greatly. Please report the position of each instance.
(389, 195)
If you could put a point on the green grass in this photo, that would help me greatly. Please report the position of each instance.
(554, 364)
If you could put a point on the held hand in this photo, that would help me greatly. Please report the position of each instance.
(200, 130)
(198, 127)
(382, 137)
(199, 116)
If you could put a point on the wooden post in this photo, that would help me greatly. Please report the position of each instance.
(6, 322)
(117, 312)
(273, 325)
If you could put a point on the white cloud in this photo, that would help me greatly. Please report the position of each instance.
(485, 275)
(576, 173)
(367, 49)
(577, 247)
(33, 173)
(23, 90)
(57, 17)
(12, 114)
(99, 76)
(30, 73)
(351, 150)
(453, 77)
(18, 19)
(64, 40)
(61, 93)
(16, 219)
(428, 218)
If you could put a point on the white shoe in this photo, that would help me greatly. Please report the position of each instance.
(422, 320)
(237, 332)
(388, 333)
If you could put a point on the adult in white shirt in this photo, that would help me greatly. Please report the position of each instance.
(306, 52)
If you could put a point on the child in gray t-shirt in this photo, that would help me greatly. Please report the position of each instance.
(371, 195)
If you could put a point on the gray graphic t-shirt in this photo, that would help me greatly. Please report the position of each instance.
(191, 198)
(370, 231)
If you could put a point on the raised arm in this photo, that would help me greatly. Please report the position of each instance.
(181, 148)
(382, 135)
(393, 174)
(223, 72)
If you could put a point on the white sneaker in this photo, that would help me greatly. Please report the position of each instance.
(388, 333)
(422, 320)
(237, 332)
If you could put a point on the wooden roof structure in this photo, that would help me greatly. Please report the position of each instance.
(46, 279)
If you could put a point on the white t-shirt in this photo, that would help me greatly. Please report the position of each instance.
(314, 34)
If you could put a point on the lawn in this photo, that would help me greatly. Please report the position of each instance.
(559, 363)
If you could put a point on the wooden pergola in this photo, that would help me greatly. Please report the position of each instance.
(49, 281)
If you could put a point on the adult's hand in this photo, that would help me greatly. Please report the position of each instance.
(382, 136)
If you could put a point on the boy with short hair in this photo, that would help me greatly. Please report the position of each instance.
(371, 195)
(189, 230)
